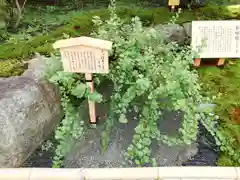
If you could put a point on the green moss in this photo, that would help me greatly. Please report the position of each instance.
(225, 160)
(224, 84)
(11, 68)
(42, 44)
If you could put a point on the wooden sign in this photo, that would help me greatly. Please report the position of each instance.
(216, 39)
(173, 2)
(84, 54)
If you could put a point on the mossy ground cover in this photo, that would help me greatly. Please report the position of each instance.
(223, 81)
(24, 49)
(225, 84)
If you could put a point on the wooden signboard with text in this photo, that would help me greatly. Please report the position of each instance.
(216, 39)
(85, 55)
(173, 4)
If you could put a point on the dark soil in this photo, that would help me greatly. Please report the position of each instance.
(207, 155)
(40, 159)
(208, 151)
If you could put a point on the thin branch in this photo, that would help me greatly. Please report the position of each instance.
(23, 4)
(20, 9)
(18, 6)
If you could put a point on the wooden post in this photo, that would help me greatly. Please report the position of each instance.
(197, 62)
(221, 61)
(172, 8)
(91, 104)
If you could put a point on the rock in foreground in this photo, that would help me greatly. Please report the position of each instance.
(29, 111)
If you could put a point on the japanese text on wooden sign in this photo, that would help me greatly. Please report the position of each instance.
(214, 39)
(173, 2)
(84, 55)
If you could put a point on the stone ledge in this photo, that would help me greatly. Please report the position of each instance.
(228, 173)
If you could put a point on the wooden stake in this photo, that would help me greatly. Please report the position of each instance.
(197, 62)
(91, 104)
(221, 61)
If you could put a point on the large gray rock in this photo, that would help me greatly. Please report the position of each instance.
(188, 28)
(29, 111)
(172, 32)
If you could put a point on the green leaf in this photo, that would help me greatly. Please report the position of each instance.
(147, 141)
(59, 135)
(139, 146)
(136, 137)
(145, 111)
(143, 83)
(104, 141)
(140, 153)
(137, 162)
(123, 119)
(96, 97)
(79, 90)
(130, 148)
(146, 150)
(154, 162)
(146, 159)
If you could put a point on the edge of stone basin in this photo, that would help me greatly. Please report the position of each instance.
(121, 173)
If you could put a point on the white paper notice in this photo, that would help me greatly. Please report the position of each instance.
(216, 39)
(83, 59)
